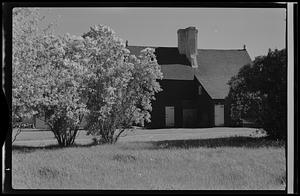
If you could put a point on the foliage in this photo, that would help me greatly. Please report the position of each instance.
(120, 86)
(60, 79)
(259, 92)
(25, 47)
(64, 78)
(47, 77)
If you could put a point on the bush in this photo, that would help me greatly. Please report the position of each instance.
(259, 92)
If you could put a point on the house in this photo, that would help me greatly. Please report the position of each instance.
(194, 83)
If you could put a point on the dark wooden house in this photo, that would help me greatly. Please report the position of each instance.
(194, 83)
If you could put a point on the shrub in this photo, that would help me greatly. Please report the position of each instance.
(259, 92)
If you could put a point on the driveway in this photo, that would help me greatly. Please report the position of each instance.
(42, 138)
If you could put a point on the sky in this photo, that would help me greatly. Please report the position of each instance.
(218, 28)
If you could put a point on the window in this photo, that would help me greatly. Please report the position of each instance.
(199, 90)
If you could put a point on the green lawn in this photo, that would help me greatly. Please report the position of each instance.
(205, 164)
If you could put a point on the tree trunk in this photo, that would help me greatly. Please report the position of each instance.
(64, 135)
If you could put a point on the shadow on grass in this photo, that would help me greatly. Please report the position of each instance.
(247, 142)
(28, 149)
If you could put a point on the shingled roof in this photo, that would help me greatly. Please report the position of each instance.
(215, 67)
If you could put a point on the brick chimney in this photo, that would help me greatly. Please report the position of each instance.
(187, 44)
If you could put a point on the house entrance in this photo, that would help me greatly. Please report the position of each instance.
(219, 115)
(189, 117)
(170, 116)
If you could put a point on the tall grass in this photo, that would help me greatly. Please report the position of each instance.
(150, 166)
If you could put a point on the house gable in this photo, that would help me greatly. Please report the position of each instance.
(215, 67)
(195, 82)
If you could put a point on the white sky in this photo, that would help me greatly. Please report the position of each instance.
(218, 28)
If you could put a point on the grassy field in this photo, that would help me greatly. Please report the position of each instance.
(42, 138)
(202, 164)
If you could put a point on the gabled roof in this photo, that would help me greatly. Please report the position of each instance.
(167, 56)
(173, 65)
(164, 55)
(215, 67)
(177, 72)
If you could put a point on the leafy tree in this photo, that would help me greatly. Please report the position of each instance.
(47, 76)
(62, 77)
(259, 92)
(120, 85)
(25, 47)
(59, 78)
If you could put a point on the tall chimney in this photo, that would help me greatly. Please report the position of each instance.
(187, 44)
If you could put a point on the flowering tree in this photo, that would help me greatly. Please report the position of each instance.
(59, 79)
(64, 78)
(25, 47)
(120, 86)
(47, 77)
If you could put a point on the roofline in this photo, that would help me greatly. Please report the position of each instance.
(215, 49)
(178, 79)
(143, 46)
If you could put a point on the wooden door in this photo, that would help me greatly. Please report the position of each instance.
(170, 116)
(219, 115)
(189, 117)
